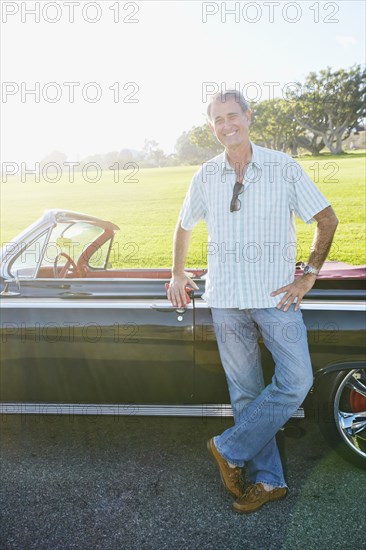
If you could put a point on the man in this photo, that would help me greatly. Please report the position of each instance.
(249, 196)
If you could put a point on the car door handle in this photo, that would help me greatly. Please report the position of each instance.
(168, 308)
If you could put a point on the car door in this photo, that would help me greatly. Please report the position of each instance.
(96, 342)
(210, 386)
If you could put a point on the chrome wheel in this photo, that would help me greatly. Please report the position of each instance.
(350, 411)
(340, 404)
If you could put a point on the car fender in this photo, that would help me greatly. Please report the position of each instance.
(338, 366)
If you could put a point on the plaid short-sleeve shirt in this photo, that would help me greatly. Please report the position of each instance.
(251, 252)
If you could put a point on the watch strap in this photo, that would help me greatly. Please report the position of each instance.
(310, 269)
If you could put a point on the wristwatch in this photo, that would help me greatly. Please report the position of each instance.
(310, 269)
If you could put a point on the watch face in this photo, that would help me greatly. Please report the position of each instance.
(309, 269)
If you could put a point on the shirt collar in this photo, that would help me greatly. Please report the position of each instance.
(226, 167)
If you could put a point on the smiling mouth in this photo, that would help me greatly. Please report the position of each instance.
(231, 134)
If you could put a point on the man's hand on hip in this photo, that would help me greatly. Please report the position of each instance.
(297, 289)
(176, 291)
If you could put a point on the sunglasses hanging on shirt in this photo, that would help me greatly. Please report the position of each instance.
(235, 204)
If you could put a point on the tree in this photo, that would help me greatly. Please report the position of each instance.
(188, 152)
(158, 156)
(152, 154)
(274, 126)
(110, 158)
(126, 156)
(197, 145)
(331, 104)
(204, 139)
(311, 142)
(149, 146)
(56, 157)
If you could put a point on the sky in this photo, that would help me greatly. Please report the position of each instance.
(109, 74)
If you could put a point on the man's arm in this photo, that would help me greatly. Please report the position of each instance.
(176, 291)
(327, 223)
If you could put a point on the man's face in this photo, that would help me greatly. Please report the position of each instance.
(229, 124)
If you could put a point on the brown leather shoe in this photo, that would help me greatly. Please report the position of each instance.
(230, 476)
(255, 496)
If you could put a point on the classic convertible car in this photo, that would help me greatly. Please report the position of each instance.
(80, 337)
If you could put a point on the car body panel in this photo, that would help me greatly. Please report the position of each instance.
(102, 351)
(110, 339)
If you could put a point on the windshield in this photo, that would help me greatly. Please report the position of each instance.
(26, 264)
(71, 239)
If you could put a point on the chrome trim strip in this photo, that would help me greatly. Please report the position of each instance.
(116, 409)
(337, 305)
(121, 303)
(82, 303)
(334, 306)
(103, 279)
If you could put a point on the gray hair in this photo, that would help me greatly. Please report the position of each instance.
(224, 96)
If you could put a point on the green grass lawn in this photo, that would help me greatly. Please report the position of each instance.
(146, 211)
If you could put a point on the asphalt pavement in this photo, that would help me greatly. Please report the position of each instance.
(148, 483)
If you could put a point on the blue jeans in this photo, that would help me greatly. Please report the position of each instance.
(259, 411)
